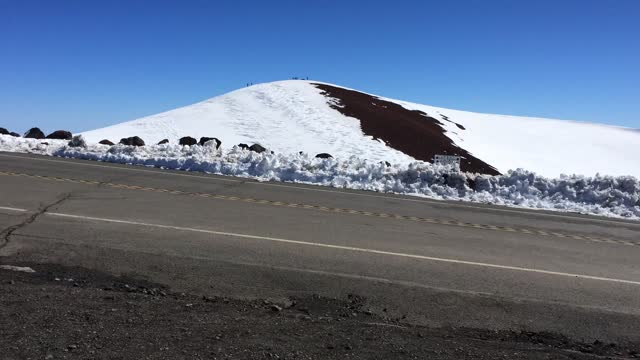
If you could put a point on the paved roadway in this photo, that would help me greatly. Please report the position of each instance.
(428, 262)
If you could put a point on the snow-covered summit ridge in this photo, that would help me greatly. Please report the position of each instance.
(292, 116)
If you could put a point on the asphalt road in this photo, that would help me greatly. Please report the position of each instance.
(425, 262)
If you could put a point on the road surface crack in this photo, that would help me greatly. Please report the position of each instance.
(6, 234)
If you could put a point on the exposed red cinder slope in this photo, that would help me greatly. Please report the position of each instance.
(413, 132)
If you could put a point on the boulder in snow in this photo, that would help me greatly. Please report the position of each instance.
(78, 141)
(211, 143)
(132, 141)
(60, 135)
(187, 140)
(257, 148)
(243, 146)
(324, 156)
(203, 140)
(14, 134)
(34, 133)
(4, 131)
(162, 142)
(106, 142)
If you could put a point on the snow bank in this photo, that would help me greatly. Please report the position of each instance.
(599, 195)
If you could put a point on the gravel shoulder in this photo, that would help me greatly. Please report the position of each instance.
(73, 313)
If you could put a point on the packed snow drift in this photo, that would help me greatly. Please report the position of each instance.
(292, 116)
(614, 196)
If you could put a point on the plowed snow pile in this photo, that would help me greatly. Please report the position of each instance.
(600, 195)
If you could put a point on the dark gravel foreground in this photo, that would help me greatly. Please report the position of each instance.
(74, 313)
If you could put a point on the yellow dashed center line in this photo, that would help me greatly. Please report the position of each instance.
(334, 210)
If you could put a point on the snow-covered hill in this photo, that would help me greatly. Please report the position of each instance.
(293, 116)
(286, 117)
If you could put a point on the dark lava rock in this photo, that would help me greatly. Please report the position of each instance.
(14, 134)
(60, 135)
(132, 141)
(4, 131)
(34, 133)
(187, 140)
(203, 140)
(243, 146)
(324, 156)
(257, 148)
(106, 142)
(165, 141)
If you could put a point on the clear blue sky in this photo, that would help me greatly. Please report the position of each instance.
(78, 64)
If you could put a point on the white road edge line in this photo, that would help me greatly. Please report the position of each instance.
(349, 248)
(12, 209)
(250, 181)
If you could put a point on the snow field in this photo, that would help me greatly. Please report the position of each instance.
(549, 147)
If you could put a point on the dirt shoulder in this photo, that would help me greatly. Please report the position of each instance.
(73, 313)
